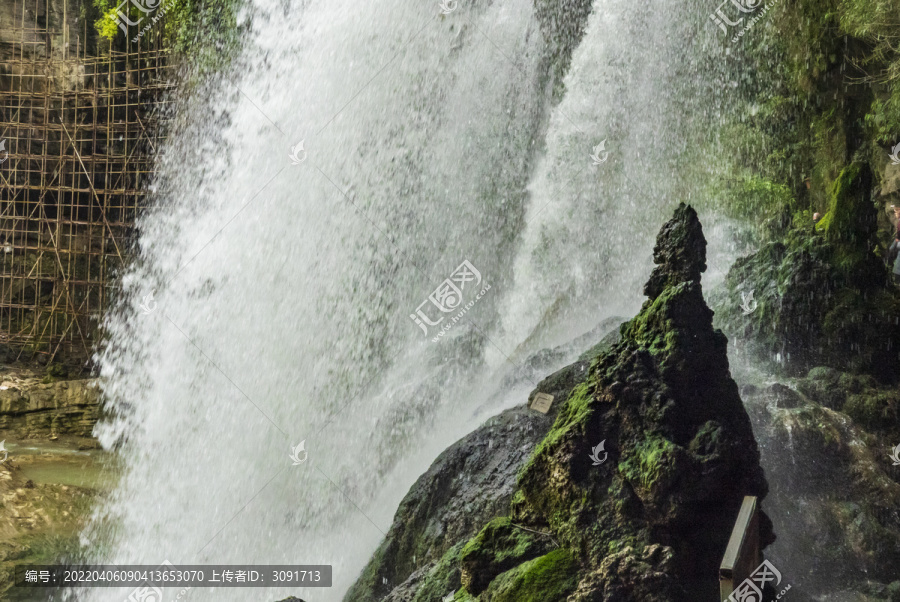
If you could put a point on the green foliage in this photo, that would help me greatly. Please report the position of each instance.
(204, 32)
(884, 118)
(876, 22)
(758, 198)
(107, 26)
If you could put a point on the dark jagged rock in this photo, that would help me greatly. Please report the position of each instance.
(467, 485)
(681, 450)
(679, 254)
(648, 516)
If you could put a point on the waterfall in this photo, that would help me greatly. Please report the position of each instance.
(310, 202)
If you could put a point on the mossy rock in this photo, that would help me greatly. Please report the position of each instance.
(821, 386)
(442, 578)
(549, 578)
(679, 451)
(498, 547)
(876, 410)
(651, 465)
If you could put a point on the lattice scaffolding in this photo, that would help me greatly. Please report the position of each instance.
(79, 133)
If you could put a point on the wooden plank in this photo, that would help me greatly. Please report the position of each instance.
(742, 554)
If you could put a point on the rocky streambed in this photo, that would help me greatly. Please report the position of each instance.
(52, 472)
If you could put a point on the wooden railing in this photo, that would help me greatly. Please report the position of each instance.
(742, 556)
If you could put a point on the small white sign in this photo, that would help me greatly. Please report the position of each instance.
(542, 403)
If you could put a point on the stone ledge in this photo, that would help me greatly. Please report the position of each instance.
(31, 408)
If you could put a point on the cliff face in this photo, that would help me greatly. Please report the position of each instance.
(813, 134)
(633, 492)
(31, 407)
(35, 32)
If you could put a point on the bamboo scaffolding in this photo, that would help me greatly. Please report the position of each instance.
(80, 130)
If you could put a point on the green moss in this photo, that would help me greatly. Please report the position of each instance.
(848, 204)
(442, 579)
(367, 586)
(875, 410)
(572, 416)
(550, 578)
(499, 540)
(571, 424)
(499, 546)
(645, 463)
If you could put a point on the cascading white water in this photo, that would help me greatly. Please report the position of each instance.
(283, 292)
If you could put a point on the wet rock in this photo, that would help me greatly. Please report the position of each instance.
(467, 485)
(783, 397)
(651, 444)
(821, 298)
(679, 254)
(626, 575)
(821, 385)
(871, 405)
(606, 343)
(681, 450)
(498, 547)
(837, 496)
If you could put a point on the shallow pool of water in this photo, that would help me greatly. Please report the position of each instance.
(60, 462)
